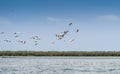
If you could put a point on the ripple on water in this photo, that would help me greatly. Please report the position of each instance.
(59, 66)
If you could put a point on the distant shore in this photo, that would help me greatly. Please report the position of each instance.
(59, 53)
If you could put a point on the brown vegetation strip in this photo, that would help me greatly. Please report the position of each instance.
(59, 53)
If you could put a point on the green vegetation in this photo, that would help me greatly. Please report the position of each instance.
(59, 53)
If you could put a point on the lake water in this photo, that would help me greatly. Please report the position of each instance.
(60, 65)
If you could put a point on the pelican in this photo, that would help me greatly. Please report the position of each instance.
(72, 40)
(77, 30)
(16, 36)
(32, 37)
(7, 40)
(16, 32)
(23, 42)
(59, 36)
(35, 38)
(65, 32)
(70, 24)
(2, 33)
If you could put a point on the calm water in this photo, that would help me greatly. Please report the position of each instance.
(60, 65)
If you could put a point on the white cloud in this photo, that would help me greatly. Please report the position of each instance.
(53, 19)
(110, 17)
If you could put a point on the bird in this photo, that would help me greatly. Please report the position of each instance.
(16, 36)
(35, 38)
(23, 42)
(71, 40)
(16, 32)
(59, 36)
(70, 24)
(2, 33)
(65, 32)
(32, 37)
(77, 30)
(7, 40)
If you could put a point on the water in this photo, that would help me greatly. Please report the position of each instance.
(60, 65)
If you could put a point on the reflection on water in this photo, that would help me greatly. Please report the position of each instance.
(60, 65)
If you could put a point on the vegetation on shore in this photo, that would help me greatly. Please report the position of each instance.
(59, 53)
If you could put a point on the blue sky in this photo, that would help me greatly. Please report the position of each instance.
(98, 21)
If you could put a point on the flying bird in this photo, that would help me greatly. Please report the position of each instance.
(77, 30)
(70, 24)
(16, 34)
(2, 33)
(71, 40)
(7, 40)
(23, 42)
(59, 36)
(65, 32)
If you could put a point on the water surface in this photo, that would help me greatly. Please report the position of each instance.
(59, 65)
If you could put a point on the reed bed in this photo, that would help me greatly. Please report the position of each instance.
(59, 53)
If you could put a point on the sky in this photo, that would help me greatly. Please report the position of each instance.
(97, 20)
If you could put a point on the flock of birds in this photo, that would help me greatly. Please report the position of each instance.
(36, 39)
(61, 35)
